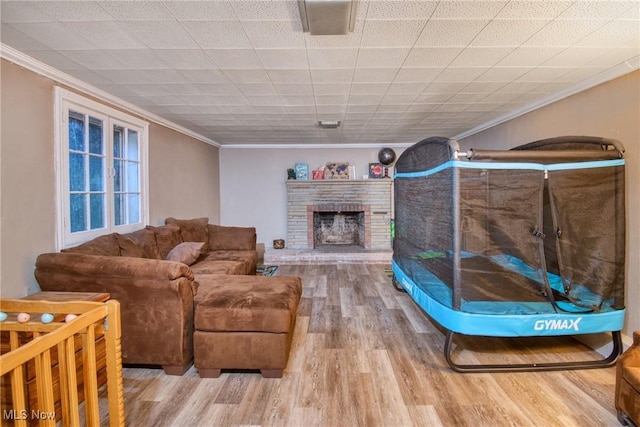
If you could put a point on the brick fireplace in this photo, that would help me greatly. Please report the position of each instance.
(345, 213)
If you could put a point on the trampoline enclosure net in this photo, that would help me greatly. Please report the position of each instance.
(500, 236)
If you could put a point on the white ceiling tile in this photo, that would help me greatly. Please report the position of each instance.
(374, 75)
(274, 34)
(331, 99)
(57, 60)
(533, 9)
(391, 33)
(201, 10)
(283, 58)
(450, 33)
(94, 59)
(257, 89)
(411, 88)
(460, 74)
(162, 35)
(575, 56)
(563, 33)
(369, 88)
(543, 74)
(472, 9)
(365, 99)
(221, 35)
(137, 58)
(294, 89)
(401, 10)
(501, 74)
(431, 56)
(234, 58)
(393, 99)
(124, 76)
(481, 56)
(205, 76)
(418, 75)
(597, 9)
(264, 100)
(186, 59)
(106, 35)
(273, 10)
(15, 38)
(619, 33)
(331, 76)
(247, 76)
(529, 56)
(381, 57)
(69, 11)
(289, 76)
(331, 89)
(137, 10)
(332, 58)
(56, 35)
(217, 89)
(23, 11)
(508, 32)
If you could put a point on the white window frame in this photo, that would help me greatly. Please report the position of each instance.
(66, 100)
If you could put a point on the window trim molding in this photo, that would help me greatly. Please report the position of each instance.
(62, 99)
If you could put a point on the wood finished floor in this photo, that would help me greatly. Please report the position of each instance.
(363, 354)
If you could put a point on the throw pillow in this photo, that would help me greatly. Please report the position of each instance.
(139, 244)
(186, 252)
(191, 230)
(167, 236)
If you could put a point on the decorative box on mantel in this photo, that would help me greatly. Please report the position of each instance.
(339, 212)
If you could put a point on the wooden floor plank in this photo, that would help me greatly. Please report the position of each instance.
(364, 354)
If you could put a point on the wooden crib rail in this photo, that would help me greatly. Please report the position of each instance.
(92, 318)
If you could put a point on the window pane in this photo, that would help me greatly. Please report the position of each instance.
(76, 131)
(134, 208)
(96, 173)
(118, 177)
(132, 146)
(78, 217)
(96, 140)
(119, 209)
(118, 141)
(132, 177)
(77, 172)
(97, 211)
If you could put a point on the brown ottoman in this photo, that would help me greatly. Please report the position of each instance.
(244, 322)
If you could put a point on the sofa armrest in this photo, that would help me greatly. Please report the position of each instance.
(231, 238)
(156, 300)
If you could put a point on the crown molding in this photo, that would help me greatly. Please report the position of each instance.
(32, 64)
(605, 76)
(316, 146)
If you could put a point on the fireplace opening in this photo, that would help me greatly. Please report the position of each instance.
(339, 228)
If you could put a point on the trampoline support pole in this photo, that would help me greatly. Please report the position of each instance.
(530, 367)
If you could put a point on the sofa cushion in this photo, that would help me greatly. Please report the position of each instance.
(191, 230)
(186, 252)
(231, 238)
(218, 267)
(247, 303)
(249, 259)
(102, 245)
(631, 374)
(167, 236)
(139, 244)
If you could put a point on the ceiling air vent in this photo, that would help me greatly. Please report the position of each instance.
(328, 17)
(329, 124)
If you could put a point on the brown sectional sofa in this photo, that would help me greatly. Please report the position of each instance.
(157, 274)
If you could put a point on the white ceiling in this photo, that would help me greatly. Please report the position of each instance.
(243, 72)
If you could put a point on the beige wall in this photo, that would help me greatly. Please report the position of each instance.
(608, 110)
(183, 176)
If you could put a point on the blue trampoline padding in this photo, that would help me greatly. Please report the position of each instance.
(510, 325)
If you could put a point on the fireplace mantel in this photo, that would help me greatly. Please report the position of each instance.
(305, 197)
